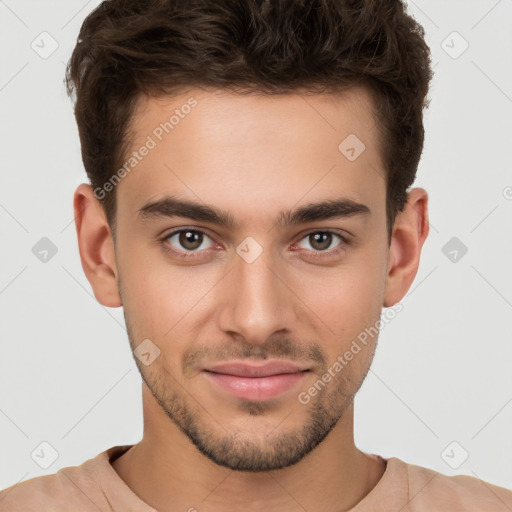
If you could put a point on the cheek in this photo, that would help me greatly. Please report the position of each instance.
(349, 299)
(157, 295)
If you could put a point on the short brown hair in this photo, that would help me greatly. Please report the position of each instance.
(126, 48)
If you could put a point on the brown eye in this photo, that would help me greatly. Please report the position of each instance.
(319, 240)
(319, 243)
(189, 240)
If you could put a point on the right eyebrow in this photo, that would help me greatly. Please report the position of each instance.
(173, 207)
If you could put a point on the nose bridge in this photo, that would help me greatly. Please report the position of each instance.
(256, 303)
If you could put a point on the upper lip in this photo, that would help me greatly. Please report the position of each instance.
(240, 369)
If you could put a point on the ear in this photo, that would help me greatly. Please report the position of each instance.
(96, 246)
(410, 231)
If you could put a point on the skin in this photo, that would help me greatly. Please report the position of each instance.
(253, 156)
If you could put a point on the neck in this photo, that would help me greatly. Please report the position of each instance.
(168, 472)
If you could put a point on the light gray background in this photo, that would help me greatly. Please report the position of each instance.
(442, 371)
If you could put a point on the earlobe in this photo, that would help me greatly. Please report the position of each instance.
(409, 234)
(96, 246)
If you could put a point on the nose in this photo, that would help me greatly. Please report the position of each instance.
(255, 301)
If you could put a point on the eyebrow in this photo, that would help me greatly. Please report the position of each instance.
(171, 206)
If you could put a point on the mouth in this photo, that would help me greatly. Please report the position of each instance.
(256, 382)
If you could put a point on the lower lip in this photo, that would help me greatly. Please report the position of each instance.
(256, 388)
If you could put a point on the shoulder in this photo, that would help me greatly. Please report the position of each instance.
(430, 490)
(77, 488)
(49, 492)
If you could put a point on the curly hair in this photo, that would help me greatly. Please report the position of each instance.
(126, 48)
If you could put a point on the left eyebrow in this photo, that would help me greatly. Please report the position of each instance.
(325, 210)
(172, 206)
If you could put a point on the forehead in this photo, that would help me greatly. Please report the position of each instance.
(246, 150)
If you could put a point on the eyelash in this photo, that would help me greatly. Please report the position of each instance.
(196, 254)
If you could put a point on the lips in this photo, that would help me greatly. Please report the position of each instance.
(255, 382)
(265, 370)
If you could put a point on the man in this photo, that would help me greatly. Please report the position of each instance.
(250, 208)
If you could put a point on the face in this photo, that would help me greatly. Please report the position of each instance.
(246, 237)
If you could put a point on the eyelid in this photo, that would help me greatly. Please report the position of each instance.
(344, 242)
(163, 239)
(343, 234)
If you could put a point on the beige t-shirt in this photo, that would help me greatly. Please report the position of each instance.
(95, 486)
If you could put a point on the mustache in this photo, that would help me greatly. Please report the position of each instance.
(275, 348)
